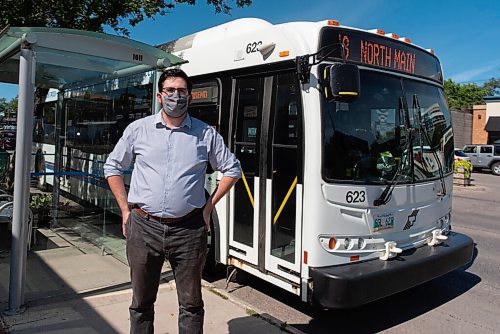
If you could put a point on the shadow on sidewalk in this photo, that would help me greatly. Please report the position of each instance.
(61, 283)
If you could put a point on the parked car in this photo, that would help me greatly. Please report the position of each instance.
(484, 156)
(460, 155)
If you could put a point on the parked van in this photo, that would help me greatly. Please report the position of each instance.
(484, 156)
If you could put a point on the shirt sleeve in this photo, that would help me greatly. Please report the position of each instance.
(121, 157)
(222, 159)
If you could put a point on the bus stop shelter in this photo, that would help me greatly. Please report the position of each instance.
(57, 58)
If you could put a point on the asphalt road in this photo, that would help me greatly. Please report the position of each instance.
(464, 301)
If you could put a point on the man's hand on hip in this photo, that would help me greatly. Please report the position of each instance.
(207, 212)
(125, 217)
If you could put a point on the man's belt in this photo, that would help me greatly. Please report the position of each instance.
(162, 220)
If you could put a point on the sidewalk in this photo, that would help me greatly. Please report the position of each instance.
(75, 289)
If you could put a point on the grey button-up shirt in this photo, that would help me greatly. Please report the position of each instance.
(170, 164)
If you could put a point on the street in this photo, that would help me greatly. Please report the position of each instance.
(463, 301)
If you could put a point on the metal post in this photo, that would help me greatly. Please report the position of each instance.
(21, 180)
(58, 157)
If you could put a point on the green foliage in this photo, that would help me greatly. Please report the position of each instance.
(463, 96)
(466, 165)
(94, 14)
(8, 108)
(492, 86)
(40, 201)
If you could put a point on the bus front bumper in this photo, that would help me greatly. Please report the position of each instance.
(355, 284)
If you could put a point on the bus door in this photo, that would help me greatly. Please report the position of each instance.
(245, 197)
(284, 180)
(266, 203)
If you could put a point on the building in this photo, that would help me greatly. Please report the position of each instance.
(492, 126)
(462, 121)
(479, 135)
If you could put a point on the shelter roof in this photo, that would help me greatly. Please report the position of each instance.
(67, 57)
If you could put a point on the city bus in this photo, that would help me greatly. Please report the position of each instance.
(346, 148)
(333, 205)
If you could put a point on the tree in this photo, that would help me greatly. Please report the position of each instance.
(492, 86)
(464, 96)
(93, 15)
(8, 109)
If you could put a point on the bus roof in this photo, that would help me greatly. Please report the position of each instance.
(249, 42)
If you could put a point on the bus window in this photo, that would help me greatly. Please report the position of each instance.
(357, 136)
(248, 119)
(205, 102)
(96, 117)
(436, 122)
(44, 124)
(285, 166)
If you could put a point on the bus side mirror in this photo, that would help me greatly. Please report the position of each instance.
(341, 82)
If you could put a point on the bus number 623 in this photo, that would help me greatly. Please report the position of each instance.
(253, 47)
(355, 196)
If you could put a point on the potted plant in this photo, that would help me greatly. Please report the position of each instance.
(40, 204)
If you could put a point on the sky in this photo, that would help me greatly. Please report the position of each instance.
(465, 35)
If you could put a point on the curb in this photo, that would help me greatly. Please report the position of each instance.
(251, 310)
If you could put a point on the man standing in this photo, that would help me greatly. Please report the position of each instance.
(166, 214)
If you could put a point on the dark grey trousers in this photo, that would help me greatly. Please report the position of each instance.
(184, 244)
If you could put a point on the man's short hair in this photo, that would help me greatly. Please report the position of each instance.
(174, 73)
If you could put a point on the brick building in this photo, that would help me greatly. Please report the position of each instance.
(479, 135)
(486, 121)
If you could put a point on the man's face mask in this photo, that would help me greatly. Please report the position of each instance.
(174, 105)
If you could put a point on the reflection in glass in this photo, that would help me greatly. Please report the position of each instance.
(93, 119)
(246, 147)
(366, 140)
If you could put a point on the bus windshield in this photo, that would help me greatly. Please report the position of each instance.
(366, 141)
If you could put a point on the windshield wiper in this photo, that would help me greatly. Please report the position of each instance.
(386, 195)
(422, 130)
(421, 140)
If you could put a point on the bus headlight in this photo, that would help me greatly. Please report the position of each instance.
(446, 219)
(443, 221)
(361, 243)
(348, 244)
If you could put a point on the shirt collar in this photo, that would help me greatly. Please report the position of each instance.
(158, 119)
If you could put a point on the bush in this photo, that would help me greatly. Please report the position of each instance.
(40, 202)
(466, 165)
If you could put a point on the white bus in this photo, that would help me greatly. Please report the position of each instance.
(346, 146)
(332, 206)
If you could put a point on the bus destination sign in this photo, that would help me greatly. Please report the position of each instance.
(372, 50)
(204, 94)
(379, 54)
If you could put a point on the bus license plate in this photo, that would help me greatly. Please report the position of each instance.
(382, 221)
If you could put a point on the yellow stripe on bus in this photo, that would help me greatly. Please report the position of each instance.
(348, 93)
(294, 183)
(247, 187)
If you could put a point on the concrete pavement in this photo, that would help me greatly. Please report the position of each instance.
(71, 287)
